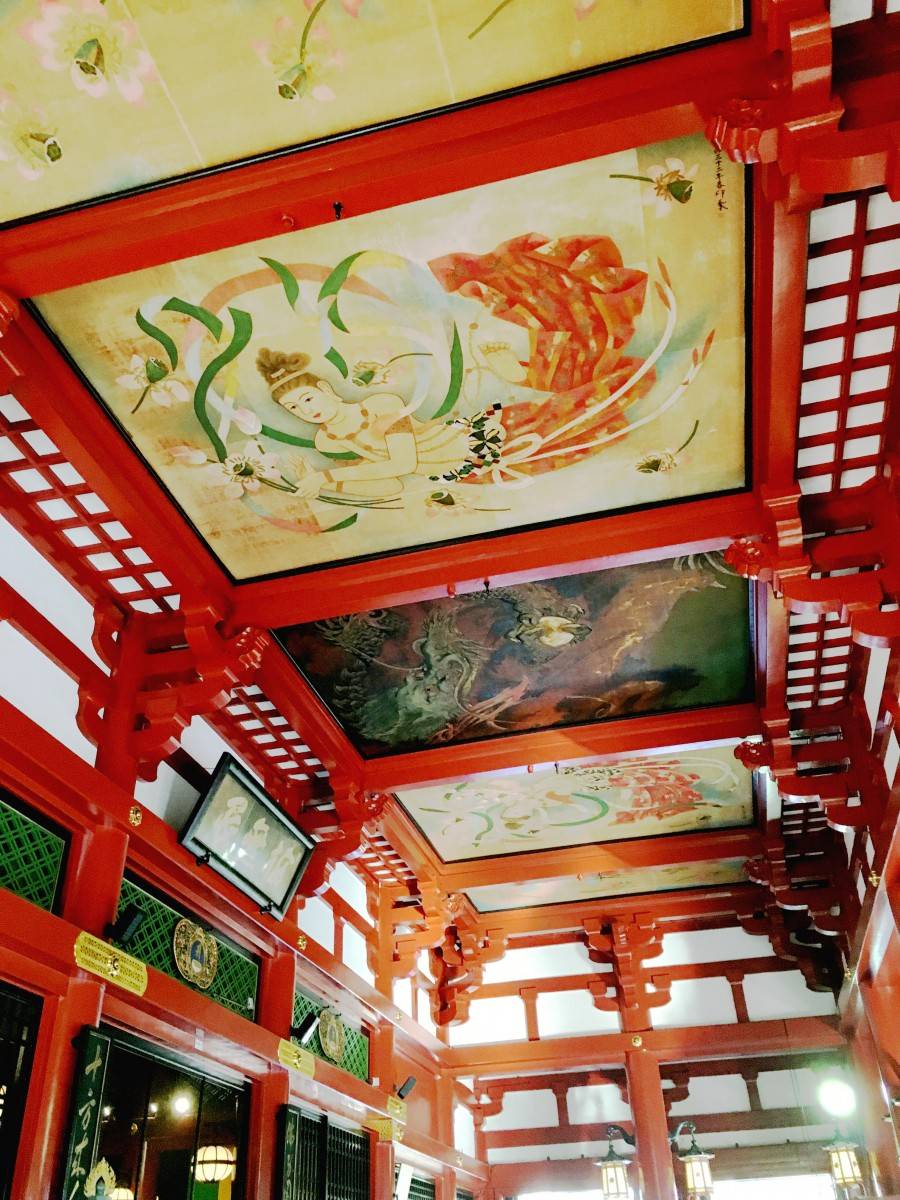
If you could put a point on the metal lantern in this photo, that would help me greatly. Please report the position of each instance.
(698, 1176)
(845, 1169)
(614, 1176)
(214, 1163)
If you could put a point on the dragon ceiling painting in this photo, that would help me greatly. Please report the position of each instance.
(563, 344)
(121, 75)
(530, 893)
(705, 788)
(652, 637)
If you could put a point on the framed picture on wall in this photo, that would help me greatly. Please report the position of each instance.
(239, 830)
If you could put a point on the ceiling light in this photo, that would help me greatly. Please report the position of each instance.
(837, 1097)
(181, 1105)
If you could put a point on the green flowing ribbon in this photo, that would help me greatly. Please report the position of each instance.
(243, 330)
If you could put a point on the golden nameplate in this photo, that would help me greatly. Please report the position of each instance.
(396, 1108)
(111, 964)
(295, 1057)
(386, 1129)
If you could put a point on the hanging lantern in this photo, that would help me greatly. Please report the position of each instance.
(214, 1163)
(614, 1176)
(845, 1169)
(698, 1176)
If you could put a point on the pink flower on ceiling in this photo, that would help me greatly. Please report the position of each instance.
(349, 6)
(298, 70)
(28, 140)
(82, 38)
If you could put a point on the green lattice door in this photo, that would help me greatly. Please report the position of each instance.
(19, 1017)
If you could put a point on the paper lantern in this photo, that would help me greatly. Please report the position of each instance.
(214, 1163)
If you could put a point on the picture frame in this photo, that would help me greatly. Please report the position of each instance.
(237, 829)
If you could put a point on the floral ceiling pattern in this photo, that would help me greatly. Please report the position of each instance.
(99, 96)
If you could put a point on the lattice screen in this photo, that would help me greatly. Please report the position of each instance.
(265, 738)
(237, 976)
(355, 1059)
(54, 507)
(31, 857)
(850, 349)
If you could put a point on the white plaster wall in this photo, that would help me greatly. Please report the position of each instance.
(355, 953)
(540, 962)
(38, 582)
(317, 920)
(525, 1110)
(784, 994)
(696, 1002)
(39, 689)
(597, 1104)
(710, 945)
(351, 888)
(500, 1019)
(713, 1094)
(463, 1130)
(570, 1013)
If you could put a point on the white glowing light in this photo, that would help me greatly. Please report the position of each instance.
(837, 1097)
(181, 1105)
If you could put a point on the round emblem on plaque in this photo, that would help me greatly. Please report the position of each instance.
(332, 1034)
(196, 953)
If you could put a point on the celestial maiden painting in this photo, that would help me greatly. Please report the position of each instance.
(653, 637)
(563, 344)
(694, 790)
(99, 96)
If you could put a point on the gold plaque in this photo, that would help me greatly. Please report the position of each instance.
(111, 964)
(196, 953)
(295, 1057)
(397, 1108)
(384, 1127)
(332, 1035)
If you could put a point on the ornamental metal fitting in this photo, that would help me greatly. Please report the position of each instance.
(637, 1041)
(135, 816)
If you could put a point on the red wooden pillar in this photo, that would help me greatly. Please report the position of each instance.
(276, 992)
(650, 1126)
(114, 746)
(268, 1095)
(381, 1056)
(445, 1185)
(382, 1168)
(94, 878)
(874, 1109)
(45, 1123)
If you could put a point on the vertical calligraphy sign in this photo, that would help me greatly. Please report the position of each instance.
(86, 1109)
(290, 1150)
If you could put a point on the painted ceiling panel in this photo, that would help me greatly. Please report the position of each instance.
(596, 885)
(638, 797)
(558, 345)
(100, 96)
(654, 637)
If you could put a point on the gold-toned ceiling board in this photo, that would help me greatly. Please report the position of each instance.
(561, 344)
(98, 96)
(531, 893)
(649, 796)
